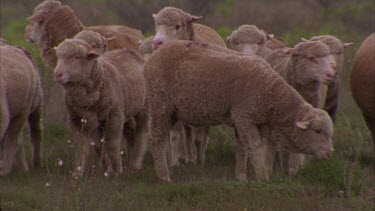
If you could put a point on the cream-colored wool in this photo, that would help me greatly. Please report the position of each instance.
(20, 101)
(199, 86)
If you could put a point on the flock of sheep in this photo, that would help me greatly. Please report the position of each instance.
(122, 90)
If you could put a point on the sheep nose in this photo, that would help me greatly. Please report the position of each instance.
(58, 76)
(156, 43)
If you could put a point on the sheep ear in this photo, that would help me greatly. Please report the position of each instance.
(154, 15)
(348, 44)
(228, 39)
(270, 36)
(303, 124)
(55, 48)
(195, 18)
(110, 39)
(92, 55)
(304, 40)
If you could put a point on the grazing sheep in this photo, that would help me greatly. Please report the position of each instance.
(103, 94)
(189, 82)
(250, 40)
(362, 81)
(174, 24)
(306, 67)
(53, 22)
(336, 50)
(20, 101)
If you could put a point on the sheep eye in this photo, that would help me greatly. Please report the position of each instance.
(318, 131)
(236, 43)
(177, 27)
(259, 43)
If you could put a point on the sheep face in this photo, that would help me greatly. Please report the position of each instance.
(172, 24)
(315, 69)
(34, 32)
(247, 39)
(313, 134)
(75, 61)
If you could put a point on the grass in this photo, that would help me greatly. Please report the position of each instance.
(345, 182)
(320, 185)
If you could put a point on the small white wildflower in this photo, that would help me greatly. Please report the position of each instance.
(79, 168)
(48, 184)
(60, 162)
(83, 120)
(92, 143)
(102, 140)
(106, 174)
(69, 141)
(121, 152)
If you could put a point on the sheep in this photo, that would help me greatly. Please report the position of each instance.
(250, 40)
(362, 81)
(174, 24)
(20, 101)
(336, 48)
(201, 86)
(103, 94)
(53, 22)
(306, 67)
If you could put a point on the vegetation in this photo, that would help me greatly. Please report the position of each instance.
(346, 182)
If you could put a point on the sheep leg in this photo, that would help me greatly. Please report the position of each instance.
(82, 144)
(112, 143)
(249, 141)
(20, 156)
(189, 143)
(173, 147)
(291, 162)
(36, 127)
(201, 140)
(159, 133)
(139, 147)
(12, 143)
(270, 153)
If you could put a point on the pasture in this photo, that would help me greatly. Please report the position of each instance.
(344, 182)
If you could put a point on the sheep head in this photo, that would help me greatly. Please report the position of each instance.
(75, 61)
(247, 39)
(173, 24)
(313, 131)
(312, 62)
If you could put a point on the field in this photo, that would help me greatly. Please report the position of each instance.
(345, 182)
